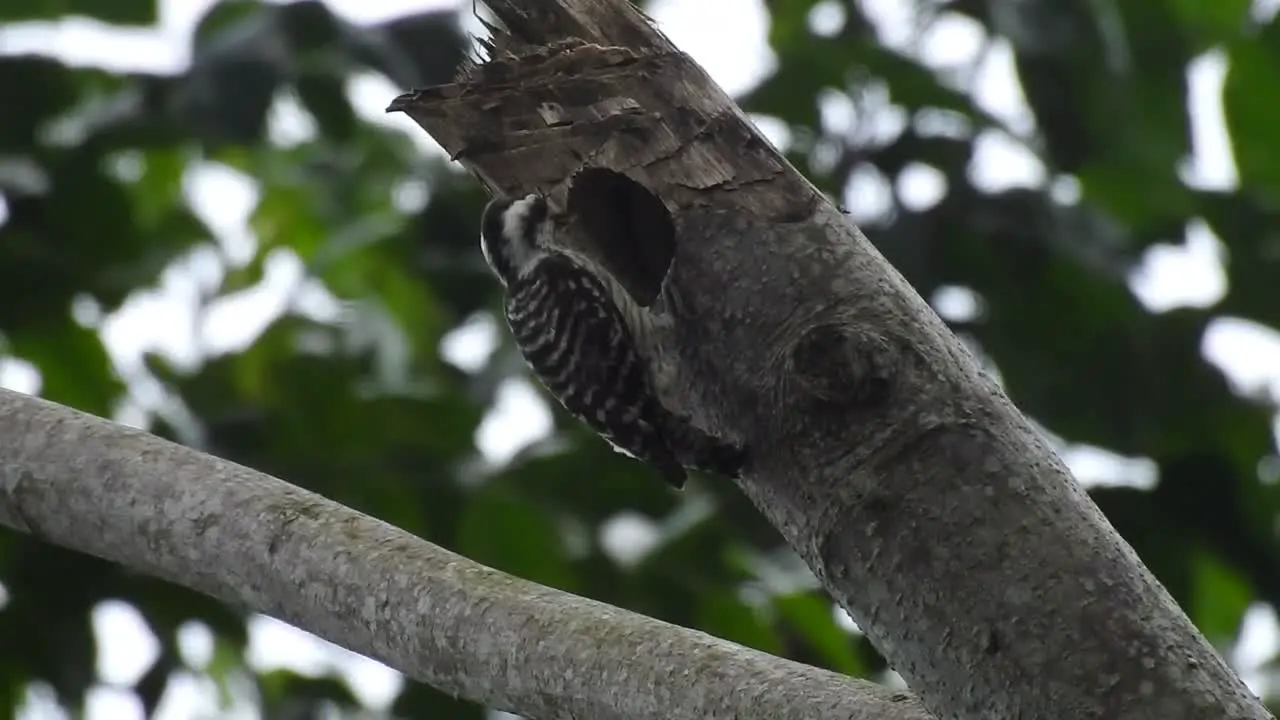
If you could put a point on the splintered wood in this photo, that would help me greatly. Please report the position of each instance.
(530, 121)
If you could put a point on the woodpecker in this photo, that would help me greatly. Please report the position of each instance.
(582, 335)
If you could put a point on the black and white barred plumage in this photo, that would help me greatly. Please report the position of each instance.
(577, 329)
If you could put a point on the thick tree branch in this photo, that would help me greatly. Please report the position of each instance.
(920, 497)
(264, 545)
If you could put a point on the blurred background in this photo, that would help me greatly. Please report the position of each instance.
(209, 228)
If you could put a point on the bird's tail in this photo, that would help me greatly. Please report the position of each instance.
(701, 451)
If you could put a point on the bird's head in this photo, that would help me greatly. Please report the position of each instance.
(512, 234)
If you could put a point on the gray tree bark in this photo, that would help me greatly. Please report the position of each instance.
(920, 497)
(263, 545)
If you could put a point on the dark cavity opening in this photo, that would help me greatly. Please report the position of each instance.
(627, 227)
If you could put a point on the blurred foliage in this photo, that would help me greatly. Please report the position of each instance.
(358, 403)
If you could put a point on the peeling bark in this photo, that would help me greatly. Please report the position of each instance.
(919, 496)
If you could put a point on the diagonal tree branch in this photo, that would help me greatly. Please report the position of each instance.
(261, 544)
(920, 497)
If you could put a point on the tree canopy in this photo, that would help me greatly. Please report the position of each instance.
(347, 377)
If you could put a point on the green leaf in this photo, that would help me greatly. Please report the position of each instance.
(75, 369)
(1252, 117)
(325, 96)
(415, 50)
(423, 701)
(224, 668)
(722, 613)
(811, 614)
(1214, 23)
(1131, 191)
(1219, 599)
(309, 25)
(288, 694)
(1246, 223)
(514, 537)
(33, 90)
(225, 19)
(122, 12)
(239, 60)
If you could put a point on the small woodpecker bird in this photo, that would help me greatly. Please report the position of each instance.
(577, 330)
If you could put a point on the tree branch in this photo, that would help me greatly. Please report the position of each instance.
(902, 475)
(261, 544)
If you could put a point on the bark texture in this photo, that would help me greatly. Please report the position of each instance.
(920, 497)
(261, 544)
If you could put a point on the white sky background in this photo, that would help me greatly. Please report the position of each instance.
(1186, 272)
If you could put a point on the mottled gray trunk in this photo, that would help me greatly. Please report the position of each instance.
(920, 497)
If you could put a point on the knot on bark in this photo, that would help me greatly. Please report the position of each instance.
(840, 366)
(630, 231)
